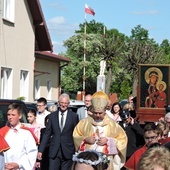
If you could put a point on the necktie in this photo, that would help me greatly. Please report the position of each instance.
(62, 121)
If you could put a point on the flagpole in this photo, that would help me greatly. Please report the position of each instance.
(89, 11)
(84, 64)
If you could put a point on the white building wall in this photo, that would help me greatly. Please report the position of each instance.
(53, 77)
(17, 46)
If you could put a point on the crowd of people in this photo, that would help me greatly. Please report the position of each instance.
(101, 136)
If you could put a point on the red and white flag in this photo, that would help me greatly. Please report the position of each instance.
(89, 10)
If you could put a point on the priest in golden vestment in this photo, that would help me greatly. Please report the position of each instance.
(101, 133)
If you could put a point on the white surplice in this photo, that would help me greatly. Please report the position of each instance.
(23, 149)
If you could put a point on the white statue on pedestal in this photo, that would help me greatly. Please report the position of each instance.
(102, 67)
(101, 77)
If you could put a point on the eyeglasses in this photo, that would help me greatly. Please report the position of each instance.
(165, 135)
(38, 105)
(98, 113)
(63, 103)
(151, 137)
(87, 100)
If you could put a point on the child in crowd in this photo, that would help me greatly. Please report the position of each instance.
(90, 160)
(35, 127)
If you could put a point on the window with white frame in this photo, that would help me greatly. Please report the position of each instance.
(49, 89)
(24, 84)
(37, 89)
(9, 10)
(6, 83)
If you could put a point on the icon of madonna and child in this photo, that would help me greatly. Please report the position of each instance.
(153, 93)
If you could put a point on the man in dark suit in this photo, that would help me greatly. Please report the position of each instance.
(59, 131)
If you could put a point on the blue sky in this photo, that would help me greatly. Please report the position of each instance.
(64, 16)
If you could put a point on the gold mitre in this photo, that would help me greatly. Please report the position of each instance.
(99, 101)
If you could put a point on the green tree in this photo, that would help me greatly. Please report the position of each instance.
(99, 47)
(165, 46)
(122, 55)
(141, 50)
(72, 75)
(92, 27)
(110, 50)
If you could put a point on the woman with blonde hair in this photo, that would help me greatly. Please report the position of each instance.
(164, 130)
(156, 158)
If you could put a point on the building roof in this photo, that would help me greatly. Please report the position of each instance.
(43, 40)
(50, 56)
(42, 36)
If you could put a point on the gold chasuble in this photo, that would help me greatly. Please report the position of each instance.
(116, 139)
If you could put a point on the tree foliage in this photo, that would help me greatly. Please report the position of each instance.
(72, 75)
(141, 50)
(111, 48)
(122, 55)
(165, 46)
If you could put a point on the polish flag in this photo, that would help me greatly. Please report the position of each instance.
(89, 10)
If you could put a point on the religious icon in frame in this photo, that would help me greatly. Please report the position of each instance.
(153, 86)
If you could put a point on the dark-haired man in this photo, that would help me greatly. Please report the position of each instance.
(133, 131)
(151, 135)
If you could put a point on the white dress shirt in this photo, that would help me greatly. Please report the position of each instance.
(64, 118)
(41, 117)
(2, 161)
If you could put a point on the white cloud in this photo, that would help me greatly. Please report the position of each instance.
(60, 27)
(57, 20)
(148, 12)
(58, 6)
(60, 31)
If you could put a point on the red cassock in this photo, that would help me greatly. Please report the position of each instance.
(5, 129)
(132, 162)
(3, 144)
